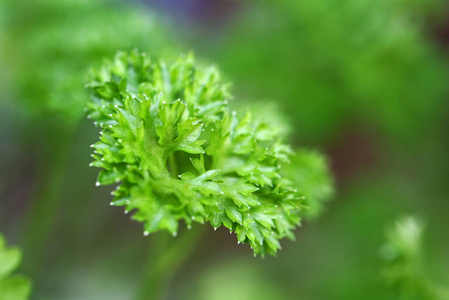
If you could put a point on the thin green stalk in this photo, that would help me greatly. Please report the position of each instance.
(167, 256)
(44, 203)
(173, 166)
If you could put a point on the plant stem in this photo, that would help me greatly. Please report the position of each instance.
(166, 258)
(173, 166)
(44, 202)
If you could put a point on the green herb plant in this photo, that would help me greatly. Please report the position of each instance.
(177, 152)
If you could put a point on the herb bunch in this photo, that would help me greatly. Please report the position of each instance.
(177, 152)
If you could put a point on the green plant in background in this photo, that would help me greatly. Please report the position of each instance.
(405, 270)
(49, 45)
(12, 286)
(310, 171)
(178, 152)
(333, 63)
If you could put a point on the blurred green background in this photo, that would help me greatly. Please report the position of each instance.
(366, 82)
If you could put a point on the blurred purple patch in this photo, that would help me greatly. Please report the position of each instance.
(198, 12)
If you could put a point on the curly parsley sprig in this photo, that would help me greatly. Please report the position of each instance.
(177, 153)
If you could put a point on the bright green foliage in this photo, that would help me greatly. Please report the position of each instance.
(308, 169)
(405, 270)
(49, 45)
(12, 287)
(178, 153)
